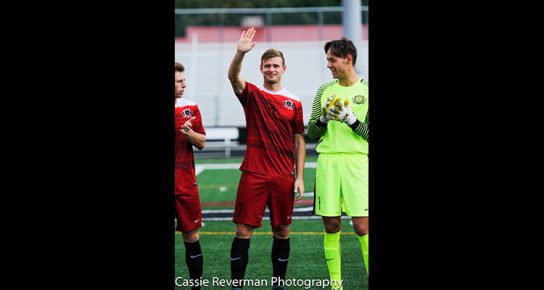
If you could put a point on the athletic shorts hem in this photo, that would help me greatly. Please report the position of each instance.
(186, 231)
(247, 224)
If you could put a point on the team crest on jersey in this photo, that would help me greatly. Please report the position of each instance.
(187, 113)
(289, 104)
(359, 99)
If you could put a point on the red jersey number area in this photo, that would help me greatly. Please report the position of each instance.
(272, 118)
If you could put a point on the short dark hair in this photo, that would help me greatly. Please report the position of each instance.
(272, 53)
(179, 67)
(342, 48)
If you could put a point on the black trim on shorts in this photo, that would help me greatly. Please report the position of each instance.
(315, 196)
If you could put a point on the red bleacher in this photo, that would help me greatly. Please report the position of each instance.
(274, 33)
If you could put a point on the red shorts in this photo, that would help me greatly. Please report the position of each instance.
(188, 207)
(256, 191)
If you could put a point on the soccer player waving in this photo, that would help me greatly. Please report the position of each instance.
(272, 170)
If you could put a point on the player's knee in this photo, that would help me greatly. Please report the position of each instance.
(190, 237)
(281, 232)
(243, 231)
(332, 227)
(243, 234)
(360, 229)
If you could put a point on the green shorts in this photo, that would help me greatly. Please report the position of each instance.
(341, 185)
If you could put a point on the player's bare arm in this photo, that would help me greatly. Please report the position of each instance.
(300, 157)
(245, 44)
(196, 139)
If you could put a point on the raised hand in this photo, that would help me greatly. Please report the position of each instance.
(246, 43)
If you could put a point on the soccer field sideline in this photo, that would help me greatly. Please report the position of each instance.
(201, 167)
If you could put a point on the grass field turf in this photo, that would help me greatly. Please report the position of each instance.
(218, 189)
(306, 260)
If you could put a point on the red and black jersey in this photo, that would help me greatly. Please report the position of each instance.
(185, 109)
(272, 117)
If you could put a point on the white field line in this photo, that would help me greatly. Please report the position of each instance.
(201, 167)
(296, 209)
(264, 218)
(312, 217)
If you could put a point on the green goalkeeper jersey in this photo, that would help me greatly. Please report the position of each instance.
(338, 137)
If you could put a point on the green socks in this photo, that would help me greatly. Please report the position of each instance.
(332, 256)
(364, 248)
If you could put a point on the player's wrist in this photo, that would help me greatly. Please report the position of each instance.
(323, 120)
(355, 125)
(350, 119)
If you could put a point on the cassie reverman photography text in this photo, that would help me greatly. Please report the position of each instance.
(219, 282)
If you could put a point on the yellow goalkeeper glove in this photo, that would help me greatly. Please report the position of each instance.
(326, 114)
(342, 113)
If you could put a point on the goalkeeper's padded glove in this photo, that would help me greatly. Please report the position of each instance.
(334, 109)
(342, 113)
(325, 115)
